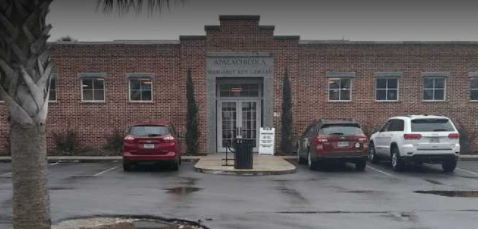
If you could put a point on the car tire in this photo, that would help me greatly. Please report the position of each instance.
(449, 166)
(300, 160)
(360, 165)
(127, 166)
(397, 163)
(175, 165)
(372, 154)
(311, 163)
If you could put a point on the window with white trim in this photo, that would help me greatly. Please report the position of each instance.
(140, 90)
(474, 89)
(93, 90)
(340, 89)
(434, 89)
(386, 89)
(52, 95)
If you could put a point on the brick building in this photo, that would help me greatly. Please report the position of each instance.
(238, 67)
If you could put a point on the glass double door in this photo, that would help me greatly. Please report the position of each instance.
(238, 119)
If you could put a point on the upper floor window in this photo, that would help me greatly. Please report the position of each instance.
(434, 89)
(474, 89)
(53, 86)
(386, 89)
(140, 89)
(340, 89)
(92, 88)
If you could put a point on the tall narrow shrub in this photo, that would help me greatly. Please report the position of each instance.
(286, 117)
(192, 128)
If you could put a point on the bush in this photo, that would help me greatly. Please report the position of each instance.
(192, 122)
(67, 141)
(286, 117)
(114, 142)
(467, 138)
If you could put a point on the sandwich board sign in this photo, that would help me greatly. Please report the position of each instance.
(266, 140)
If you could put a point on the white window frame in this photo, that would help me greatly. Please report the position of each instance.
(93, 77)
(340, 100)
(54, 76)
(434, 88)
(129, 89)
(473, 89)
(386, 89)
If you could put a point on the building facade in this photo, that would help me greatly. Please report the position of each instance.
(238, 68)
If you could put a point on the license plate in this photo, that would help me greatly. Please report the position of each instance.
(149, 146)
(343, 144)
(434, 140)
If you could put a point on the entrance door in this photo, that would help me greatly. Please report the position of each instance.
(238, 118)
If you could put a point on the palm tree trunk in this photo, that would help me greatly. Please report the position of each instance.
(25, 70)
(30, 196)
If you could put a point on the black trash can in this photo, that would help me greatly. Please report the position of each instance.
(243, 153)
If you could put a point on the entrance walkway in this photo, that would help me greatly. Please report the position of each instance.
(263, 165)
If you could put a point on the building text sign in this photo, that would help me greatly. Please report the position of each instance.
(266, 140)
(240, 66)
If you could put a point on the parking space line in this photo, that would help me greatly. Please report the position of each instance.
(380, 171)
(6, 174)
(105, 171)
(10, 173)
(468, 171)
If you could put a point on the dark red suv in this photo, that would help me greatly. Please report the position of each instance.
(151, 142)
(333, 140)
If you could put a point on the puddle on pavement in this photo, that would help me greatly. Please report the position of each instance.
(182, 190)
(451, 193)
(362, 191)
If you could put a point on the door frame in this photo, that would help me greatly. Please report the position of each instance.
(238, 101)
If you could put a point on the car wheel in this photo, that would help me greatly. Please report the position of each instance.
(175, 166)
(300, 160)
(360, 165)
(449, 166)
(372, 154)
(397, 163)
(310, 162)
(127, 166)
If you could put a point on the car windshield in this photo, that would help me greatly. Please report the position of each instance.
(341, 129)
(148, 130)
(432, 125)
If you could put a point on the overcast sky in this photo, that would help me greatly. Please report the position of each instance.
(359, 20)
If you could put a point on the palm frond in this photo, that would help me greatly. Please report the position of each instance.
(124, 6)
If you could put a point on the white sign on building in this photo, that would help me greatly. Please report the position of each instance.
(266, 140)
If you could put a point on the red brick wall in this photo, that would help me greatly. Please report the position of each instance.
(307, 65)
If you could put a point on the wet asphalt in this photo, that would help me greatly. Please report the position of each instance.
(339, 198)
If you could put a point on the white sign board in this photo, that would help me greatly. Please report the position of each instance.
(266, 140)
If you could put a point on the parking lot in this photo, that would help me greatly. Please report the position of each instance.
(341, 198)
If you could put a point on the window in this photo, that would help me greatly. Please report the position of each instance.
(432, 125)
(149, 130)
(397, 125)
(386, 127)
(52, 95)
(474, 89)
(93, 90)
(341, 129)
(340, 89)
(434, 89)
(386, 89)
(140, 90)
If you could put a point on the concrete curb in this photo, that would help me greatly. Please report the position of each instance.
(93, 159)
(245, 172)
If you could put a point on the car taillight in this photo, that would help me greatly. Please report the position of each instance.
(362, 140)
(129, 138)
(168, 138)
(412, 136)
(454, 136)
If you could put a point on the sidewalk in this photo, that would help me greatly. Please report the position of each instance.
(262, 165)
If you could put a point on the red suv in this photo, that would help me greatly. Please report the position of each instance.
(151, 142)
(333, 140)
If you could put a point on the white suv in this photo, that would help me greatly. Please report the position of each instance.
(416, 139)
